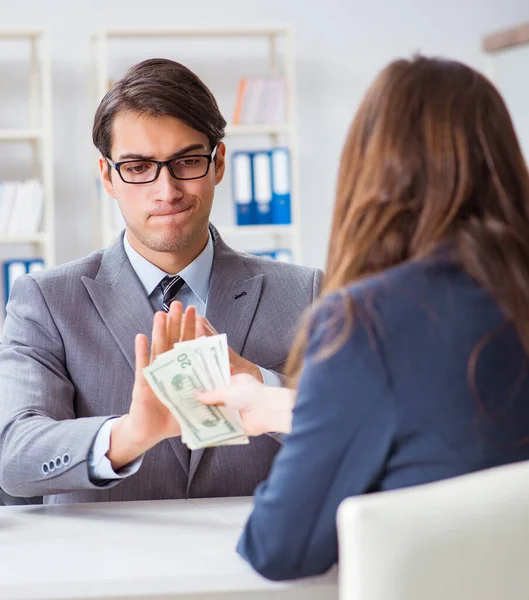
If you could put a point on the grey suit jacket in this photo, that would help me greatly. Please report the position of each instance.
(67, 365)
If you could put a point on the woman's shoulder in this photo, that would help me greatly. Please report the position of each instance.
(419, 275)
(399, 297)
(399, 284)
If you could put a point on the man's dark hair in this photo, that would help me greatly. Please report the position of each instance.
(159, 87)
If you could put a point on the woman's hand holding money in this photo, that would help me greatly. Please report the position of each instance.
(263, 409)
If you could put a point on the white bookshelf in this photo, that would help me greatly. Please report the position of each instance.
(38, 134)
(283, 236)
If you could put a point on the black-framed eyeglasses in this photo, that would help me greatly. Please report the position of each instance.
(190, 166)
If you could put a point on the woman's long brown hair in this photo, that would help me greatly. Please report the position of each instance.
(431, 155)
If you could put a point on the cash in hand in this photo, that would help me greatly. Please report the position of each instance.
(174, 376)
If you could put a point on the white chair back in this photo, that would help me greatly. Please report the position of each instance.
(465, 538)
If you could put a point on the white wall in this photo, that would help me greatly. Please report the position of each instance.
(341, 44)
(508, 68)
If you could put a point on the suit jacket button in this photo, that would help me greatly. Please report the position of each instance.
(51, 465)
(65, 459)
(45, 469)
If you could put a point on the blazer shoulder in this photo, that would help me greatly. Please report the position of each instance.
(396, 293)
(67, 272)
(282, 270)
(415, 277)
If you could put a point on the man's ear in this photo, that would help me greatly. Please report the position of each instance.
(104, 172)
(220, 162)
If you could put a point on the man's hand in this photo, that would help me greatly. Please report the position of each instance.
(239, 365)
(148, 421)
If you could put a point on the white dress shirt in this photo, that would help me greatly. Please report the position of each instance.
(193, 293)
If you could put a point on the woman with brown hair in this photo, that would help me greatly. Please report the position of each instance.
(413, 367)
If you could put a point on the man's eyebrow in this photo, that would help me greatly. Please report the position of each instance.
(135, 156)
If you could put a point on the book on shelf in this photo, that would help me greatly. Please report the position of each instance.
(21, 207)
(261, 187)
(260, 101)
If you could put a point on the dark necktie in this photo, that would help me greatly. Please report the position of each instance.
(170, 288)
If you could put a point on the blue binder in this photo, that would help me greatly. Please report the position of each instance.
(16, 268)
(281, 186)
(242, 188)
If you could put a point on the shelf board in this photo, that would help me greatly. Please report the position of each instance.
(12, 135)
(29, 238)
(132, 32)
(20, 33)
(233, 130)
(257, 230)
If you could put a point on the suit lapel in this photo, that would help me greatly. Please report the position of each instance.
(120, 300)
(233, 294)
(231, 307)
(233, 298)
(124, 307)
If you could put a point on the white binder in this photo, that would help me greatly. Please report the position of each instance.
(242, 187)
(262, 187)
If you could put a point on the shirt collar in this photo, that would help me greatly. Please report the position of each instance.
(196, 275)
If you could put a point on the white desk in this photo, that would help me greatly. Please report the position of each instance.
(158, 550)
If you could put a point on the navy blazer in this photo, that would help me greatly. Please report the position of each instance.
(420, 391)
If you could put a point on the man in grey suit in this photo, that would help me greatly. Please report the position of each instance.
(77, 422)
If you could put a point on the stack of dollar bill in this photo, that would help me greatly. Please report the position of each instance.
(174, 376)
